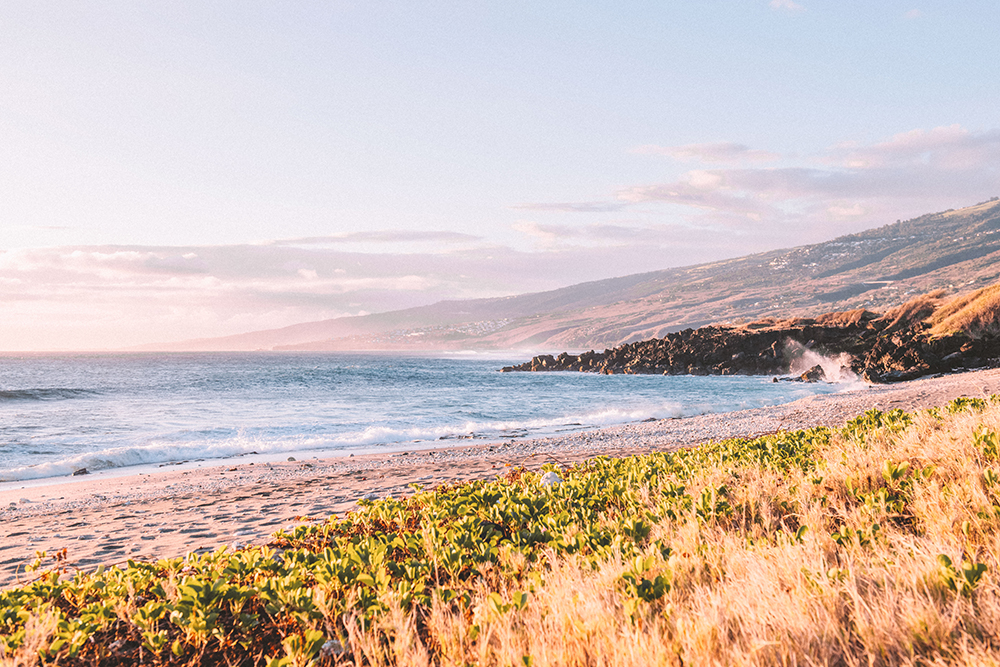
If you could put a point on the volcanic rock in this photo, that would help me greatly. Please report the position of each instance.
(889, 348)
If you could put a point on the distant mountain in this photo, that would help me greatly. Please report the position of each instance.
(957, 249)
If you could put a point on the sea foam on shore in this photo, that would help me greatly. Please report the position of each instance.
(117, 411)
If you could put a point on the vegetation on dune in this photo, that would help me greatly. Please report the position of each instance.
(873, 544)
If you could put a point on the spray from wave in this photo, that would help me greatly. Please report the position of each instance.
(836, 368)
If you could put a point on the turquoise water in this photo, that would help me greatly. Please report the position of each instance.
(59, 413)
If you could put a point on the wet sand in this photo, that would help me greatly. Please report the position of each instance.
(108, 517)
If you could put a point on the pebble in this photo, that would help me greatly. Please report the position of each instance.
(550, 478)
(332, 648)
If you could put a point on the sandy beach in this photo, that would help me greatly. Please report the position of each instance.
(110, 516)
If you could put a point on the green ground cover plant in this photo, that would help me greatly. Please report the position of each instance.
(872, 544)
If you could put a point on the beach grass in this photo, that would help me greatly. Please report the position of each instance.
(871, 544)
(976, 313)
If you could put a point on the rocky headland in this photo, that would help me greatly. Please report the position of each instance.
(922, 337)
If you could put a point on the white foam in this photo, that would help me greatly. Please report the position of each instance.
(837, 368)
(311, 424)
(156, 451)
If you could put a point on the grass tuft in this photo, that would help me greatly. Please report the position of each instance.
(913, 311)
(976, 314)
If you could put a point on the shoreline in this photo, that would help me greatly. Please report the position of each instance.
(53, 440)
(108, 518)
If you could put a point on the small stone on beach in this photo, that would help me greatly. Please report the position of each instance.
(332, 649)
(550, 478)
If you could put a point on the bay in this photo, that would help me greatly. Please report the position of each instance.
(62, 412)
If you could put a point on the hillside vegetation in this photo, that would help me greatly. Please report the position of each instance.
(875, 270)
(872, 544)
(976, 314)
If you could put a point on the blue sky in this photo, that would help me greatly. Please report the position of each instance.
(186, 169)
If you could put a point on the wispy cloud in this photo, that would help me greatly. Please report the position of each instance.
(759, 196)
(914, 171)
(914, 14)
(573, 207)
(726, 152)
(382, 236)
(735, 200)
(92, 297)
(786, 5)
(606, 235)
(947, 148)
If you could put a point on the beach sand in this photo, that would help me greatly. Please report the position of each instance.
(108, 517)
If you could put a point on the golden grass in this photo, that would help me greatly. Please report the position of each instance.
(846, 318)
(39, 629)
(913, 311)
(976, 313)
(750, 588)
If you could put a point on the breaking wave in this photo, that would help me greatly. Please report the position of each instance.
(836, 368)
(44, 394)
(162, 451)
(157, 409)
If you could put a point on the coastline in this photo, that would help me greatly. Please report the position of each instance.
(107, 518)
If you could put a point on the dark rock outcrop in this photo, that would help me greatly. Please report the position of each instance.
(814, 374)
(878, 348)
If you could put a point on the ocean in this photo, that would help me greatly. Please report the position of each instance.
(63, 412)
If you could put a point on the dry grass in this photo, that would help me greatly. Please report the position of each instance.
(749, 588)
(977, 313)
(913, 311)
(846, 318)
(39, 629)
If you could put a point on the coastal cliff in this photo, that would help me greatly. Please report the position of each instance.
(905, 343)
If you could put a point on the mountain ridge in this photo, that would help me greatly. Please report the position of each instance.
(876, 269)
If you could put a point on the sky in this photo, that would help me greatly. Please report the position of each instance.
(197, 168)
